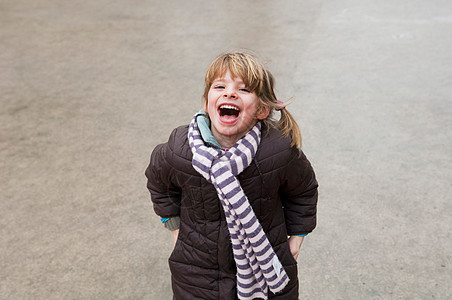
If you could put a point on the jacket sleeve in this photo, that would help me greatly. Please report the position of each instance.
(299, 195)
(165, 195)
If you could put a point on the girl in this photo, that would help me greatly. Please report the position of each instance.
(232, 186)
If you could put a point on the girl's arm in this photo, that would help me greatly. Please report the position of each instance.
(299, 195)
(165, 195)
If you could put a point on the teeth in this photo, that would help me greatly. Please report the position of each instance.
(229, 107)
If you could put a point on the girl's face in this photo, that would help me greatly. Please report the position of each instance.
(232, 108)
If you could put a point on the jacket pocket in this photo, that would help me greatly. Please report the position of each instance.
(292, 259)
(284, 254)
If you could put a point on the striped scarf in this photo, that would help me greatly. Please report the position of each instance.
(258, 267)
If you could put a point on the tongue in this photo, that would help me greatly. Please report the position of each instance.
(228, 118)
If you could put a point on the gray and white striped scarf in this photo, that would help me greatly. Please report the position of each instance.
(258, 267)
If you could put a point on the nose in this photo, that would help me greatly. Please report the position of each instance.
(229, 94)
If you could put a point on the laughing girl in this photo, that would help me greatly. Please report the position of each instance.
(235, 189)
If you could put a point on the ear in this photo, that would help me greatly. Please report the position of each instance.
(205, 106)
(263, 112)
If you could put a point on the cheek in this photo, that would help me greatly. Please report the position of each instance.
(254, 107)
(209, 106)
(206, 101)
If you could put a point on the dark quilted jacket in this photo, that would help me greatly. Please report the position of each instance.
(281, 187)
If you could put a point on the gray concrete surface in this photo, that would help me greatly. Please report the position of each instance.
(88, 88)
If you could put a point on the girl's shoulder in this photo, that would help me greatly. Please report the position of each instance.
(274, 144)
(275, 152)
(178, 138)
(177, 148)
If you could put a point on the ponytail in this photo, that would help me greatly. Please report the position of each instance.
(289, 128)
(285, 123)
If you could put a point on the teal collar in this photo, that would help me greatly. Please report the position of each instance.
(203, 122)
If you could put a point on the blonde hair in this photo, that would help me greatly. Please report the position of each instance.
(259, 80)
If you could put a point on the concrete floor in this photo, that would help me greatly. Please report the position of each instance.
(88, 88)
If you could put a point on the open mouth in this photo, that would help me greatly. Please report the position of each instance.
(228, 112)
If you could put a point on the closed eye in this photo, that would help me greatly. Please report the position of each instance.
(245, 90)
(218, 87)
